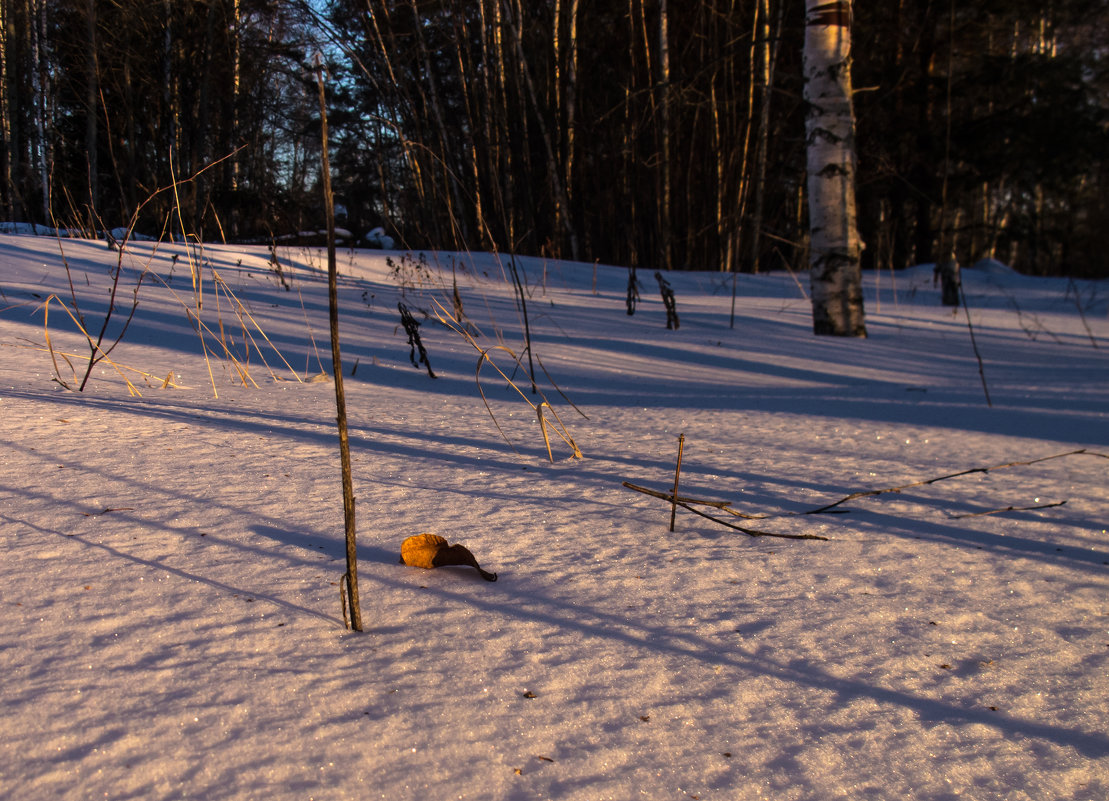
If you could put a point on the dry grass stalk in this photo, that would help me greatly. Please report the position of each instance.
(444, 316)
(99, 348)
(248, 325)
(99, 353)
(242, 312)
(167, 383)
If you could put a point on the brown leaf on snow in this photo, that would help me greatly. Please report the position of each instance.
(430, 550)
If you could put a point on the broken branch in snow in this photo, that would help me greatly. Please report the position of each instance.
(726, 506)
(750, 531)
(1007, 509)
(867, 493)
(687, 503)
(666, 496)
(108, 509)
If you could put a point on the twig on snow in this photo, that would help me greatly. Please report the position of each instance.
(867, 493)
(687, 503)
(1007, 509)
(726, 506)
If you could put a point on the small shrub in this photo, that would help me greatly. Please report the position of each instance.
(668, 302)
(412, 328)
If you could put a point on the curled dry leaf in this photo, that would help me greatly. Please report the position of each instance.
(431, 550)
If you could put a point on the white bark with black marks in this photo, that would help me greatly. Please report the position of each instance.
(835, 246)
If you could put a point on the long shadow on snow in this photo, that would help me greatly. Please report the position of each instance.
(286, 426)
(439, 447)
(1033, 413)
(179, 334)
(176, 571)
(227, 420)
(529, 607)
(1072, 556)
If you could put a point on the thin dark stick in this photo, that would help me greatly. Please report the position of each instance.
(726, 506)
(667, 496)
(867, 493)
(677, 474)
(974, 344)
(337, 369)
(750, 531)
(1008, 509)
(686, 503)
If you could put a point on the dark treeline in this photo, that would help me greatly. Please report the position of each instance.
(106, 101)
(660, 133)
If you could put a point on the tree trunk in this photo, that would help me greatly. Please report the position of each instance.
(835, 246)
(169, 95)
(561, 200)
(92, 101)
(5, 118)
(665, 219)
(41, 98)
(236, 81)
(451, 190)
(571, 108)
(762, 36)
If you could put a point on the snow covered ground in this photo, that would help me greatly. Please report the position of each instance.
(170, 561)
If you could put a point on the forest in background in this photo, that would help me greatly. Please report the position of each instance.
(656, 133)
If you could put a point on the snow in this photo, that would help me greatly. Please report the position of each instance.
(171, 560)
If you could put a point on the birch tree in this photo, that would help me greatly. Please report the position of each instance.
(835, 246)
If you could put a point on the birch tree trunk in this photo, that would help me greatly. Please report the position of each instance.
(835, 246)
